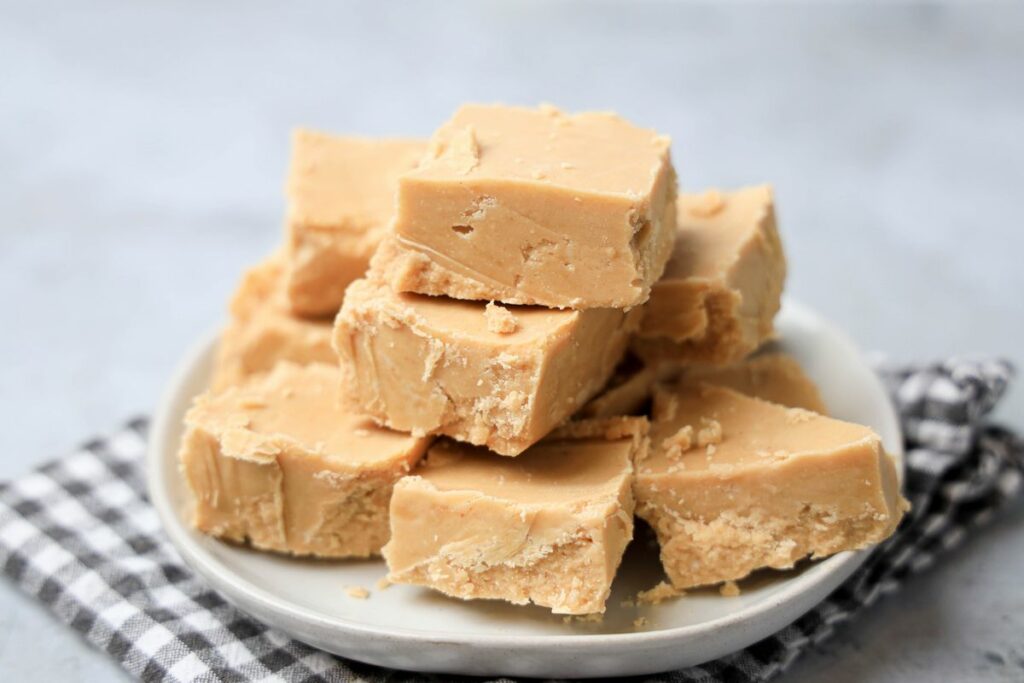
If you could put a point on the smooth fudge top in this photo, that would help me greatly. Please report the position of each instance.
(591, 153)
(535, 206)
(300, 407)
(346, 182)
(773, 376)
(699, 427)
(560, 469)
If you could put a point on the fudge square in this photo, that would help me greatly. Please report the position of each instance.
(723, 285)
(772, 376)
(262, 330)
(548, 527)
(278, 463)
(480, 373)
(341, 197)
(535, 206)
(735, 483)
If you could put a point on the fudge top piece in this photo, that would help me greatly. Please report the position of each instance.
(703, 427)
(714, 228)
(534, 206)
(346, 182)
(296, 407)
(567, 468)
(590, 153)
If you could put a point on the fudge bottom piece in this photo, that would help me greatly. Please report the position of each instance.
(277, 462)
(547, 527)
(735, 483)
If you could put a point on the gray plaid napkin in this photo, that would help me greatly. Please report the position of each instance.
(79, 535)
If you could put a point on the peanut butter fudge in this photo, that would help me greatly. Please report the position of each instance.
(548, 527)
(263, 331)
(773, 376)
(279, 463)
(735, 483)
(535, 206)
(723, 285)
(433, 365)
(341, 197)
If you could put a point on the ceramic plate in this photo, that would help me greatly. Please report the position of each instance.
(412, 628)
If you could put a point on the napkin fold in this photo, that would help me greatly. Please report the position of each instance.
(79, 535)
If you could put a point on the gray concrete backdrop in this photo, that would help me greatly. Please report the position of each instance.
(142, 151)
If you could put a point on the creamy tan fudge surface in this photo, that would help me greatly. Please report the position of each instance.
(772, 376)
(734, 483)
(263, 331)
(548, 527)
(427, 365)
(278, 462)
(723, 285)
(341, 197)
(535, 206)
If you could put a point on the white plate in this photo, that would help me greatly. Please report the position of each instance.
(414, 629)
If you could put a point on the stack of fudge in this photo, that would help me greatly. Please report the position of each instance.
(482, 355)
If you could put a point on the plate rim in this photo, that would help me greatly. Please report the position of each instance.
(243, 592)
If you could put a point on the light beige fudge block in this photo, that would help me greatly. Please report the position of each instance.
(772, 376)
(433, 365)
(278, 462)
(341, 198)
(535, 206)
(548, 527)
(263, 331)
(722, 287)
(735, 483)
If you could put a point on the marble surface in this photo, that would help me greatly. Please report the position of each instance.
(142, 147)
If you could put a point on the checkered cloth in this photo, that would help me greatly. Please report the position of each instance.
(79, 535)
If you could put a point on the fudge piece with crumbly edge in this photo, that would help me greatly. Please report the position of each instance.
(722, 287)
(548, 527)
(770, 375)
(734, 483)
(341, 197)
(433, 365)
(263, 331)
(535, 206)
(278, 462)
